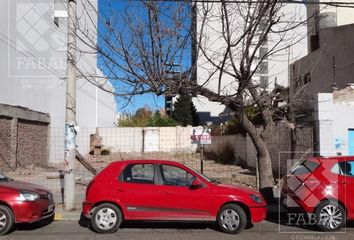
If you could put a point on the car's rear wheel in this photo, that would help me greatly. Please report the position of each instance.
(232, 218)
(6, 219)
(106, 218)
(330, 216)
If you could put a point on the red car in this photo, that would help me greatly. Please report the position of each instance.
(323, 187)
(167, 191)
(22, 202)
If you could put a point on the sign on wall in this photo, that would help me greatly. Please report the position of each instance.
(201, 135)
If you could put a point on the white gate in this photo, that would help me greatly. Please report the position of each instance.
(151, 140)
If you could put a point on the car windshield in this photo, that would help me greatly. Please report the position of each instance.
(3, 178)
(206, 177)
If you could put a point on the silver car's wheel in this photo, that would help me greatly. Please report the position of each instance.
(330, 216)
(106, 218)
(6, 219)
(232, 218)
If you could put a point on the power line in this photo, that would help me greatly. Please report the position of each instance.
(331, 3)
(36, 59)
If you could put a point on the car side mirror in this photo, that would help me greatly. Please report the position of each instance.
(196, 184)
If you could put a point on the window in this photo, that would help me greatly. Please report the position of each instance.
(263, 81)
(263, 68)
(176, 176)
(262, 52)
(304, 167)
(139, 173)
(344, 168)
(307, 78)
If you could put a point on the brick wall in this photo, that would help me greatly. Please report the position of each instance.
(32, 143)
(5, 142)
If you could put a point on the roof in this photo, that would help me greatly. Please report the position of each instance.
(337, 158)
(23, 113)
(159, 161)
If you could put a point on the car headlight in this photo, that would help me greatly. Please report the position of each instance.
(28, 196)
(256, 198)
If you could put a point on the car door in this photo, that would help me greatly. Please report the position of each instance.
(136, 191)
(349, 186)
(346, 184)
(178, 200)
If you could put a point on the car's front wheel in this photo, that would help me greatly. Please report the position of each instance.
(6, 220)
(330, 216)
(106, 218)
(232, 218)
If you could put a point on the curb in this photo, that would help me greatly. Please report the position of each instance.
(58, 217)
(62, 215)
(67, 216)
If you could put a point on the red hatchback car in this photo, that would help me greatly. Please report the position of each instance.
(323, 187)
(167, 191)
(22, 202)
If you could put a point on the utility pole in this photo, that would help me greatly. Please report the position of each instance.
(70, 122)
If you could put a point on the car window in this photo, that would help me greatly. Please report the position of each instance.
(336, 169)
(304, 167)
(344, 168)
(139, 173)
(175, 176)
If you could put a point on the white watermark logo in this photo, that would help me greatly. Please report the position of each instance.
(36, 43)
(311, 197)
(311, 237)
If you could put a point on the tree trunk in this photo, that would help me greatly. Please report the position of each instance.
(264, 161)
(266, 179)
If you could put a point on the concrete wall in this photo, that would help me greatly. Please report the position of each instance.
(238, 144)
(127, 140)
(286, 144)
(334, 117)
(324, 122)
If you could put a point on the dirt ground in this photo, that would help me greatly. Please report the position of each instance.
(52, 177)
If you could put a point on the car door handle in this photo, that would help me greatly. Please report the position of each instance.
(342, 182)
(120, 190)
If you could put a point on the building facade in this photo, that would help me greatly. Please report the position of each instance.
(314, 95)
(334, 125)
(33, 66)
(273, 69)
(327, 68)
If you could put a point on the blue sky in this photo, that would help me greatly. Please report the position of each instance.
(153, 101)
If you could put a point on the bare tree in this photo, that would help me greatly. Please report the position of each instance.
(140, 46)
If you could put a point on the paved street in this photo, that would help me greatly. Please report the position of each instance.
(171, 231)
